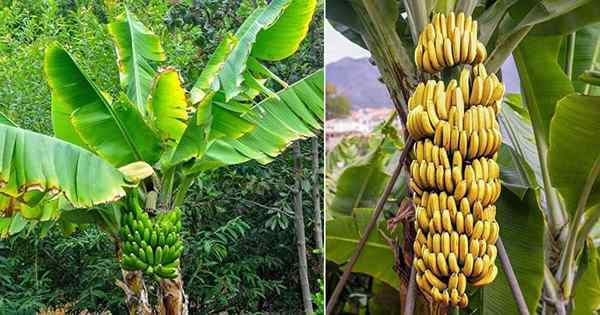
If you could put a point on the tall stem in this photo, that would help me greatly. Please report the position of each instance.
(299, 226)
(372, 223)
(316, 188)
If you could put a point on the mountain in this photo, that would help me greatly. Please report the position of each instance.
(358, 80)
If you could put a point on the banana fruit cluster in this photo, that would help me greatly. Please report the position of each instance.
(454, 176)
(152, 246)
(448, 41)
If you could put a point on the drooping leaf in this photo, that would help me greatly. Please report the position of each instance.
(298, 112)
(342, 236)
(230, 75)
(575, 147)
(283, 38)
(137, 49)
(208, 80)
(344, 19)
(82, 115)
(35, 163)
(168, 106)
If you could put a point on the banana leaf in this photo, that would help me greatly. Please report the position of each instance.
(137, 50)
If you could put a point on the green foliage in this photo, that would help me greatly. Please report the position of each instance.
(338, 105)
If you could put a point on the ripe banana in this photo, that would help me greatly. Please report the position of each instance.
(448, 41)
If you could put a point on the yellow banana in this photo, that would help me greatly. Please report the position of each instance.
(473, 145)
(453, 263)
(477, 267)
(439, 177)
(478, 230)
(427, 66)
(442, 265)
(456, 49)
(448, 182)
(463, 143)
(439, 51)
(434, 281)
(467, 268)
(435, 64)
(472, 192)
(474, 248)
(460, 189)
(419, 58)
(446, 222)
(477, 92)
(464, 47)
(460, 223)
(469, 224)
(448, 56)
(464, 83)
(463, 248)
(437, 223)
(489, 277)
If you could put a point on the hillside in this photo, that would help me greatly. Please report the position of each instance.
(357, 80)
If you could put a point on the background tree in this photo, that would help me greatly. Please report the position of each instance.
(338, 105)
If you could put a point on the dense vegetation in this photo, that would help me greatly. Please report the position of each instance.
(239, 236)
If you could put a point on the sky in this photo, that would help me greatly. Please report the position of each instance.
(338, 47)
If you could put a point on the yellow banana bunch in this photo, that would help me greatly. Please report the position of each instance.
(448, 41)
(454, 176)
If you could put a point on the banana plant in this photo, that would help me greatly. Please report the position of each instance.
(548, 209)
(126, 161)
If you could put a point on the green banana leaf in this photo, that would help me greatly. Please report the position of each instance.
(168, 106)
(295, 115)
(586, 56)
(587, 288)
(230, 75)
(137, 50)
(570, 22)
(208, 79)
(519, 159)
(359, 185)
(36, 167)
(4, 120)
(283, 38)
(543, 81)
(575, 148)
(82, 115)
(377, 259)
(528, 13)
(344, 19)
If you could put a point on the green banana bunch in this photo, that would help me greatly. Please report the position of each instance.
(454, 176)
(151, 245)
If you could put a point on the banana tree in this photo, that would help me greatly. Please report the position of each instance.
(126, 161)
(548, 208)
